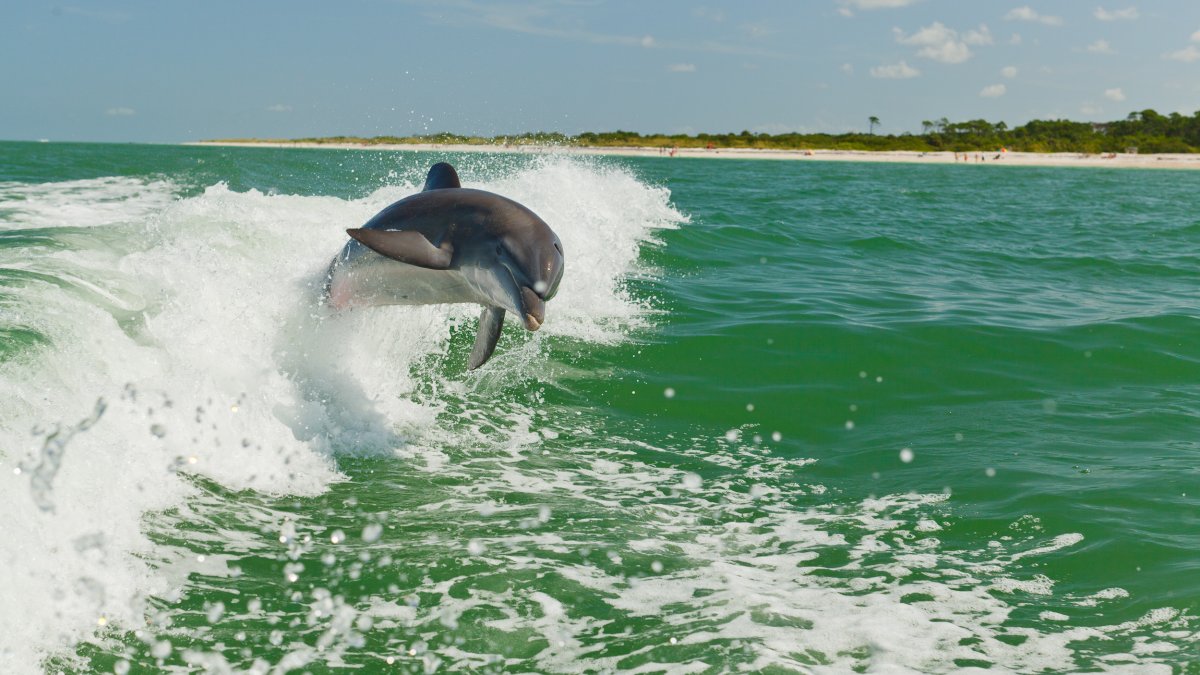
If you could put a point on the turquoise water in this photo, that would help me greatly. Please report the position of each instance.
(782, 417)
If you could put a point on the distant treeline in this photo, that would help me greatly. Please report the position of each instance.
(1145, 131)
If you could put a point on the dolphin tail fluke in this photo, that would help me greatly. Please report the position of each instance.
(490, 323)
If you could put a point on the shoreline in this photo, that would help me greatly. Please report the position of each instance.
(1061, 159)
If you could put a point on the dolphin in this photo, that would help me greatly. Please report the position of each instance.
(450, 244)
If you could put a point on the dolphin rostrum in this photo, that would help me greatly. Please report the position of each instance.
(449, 244)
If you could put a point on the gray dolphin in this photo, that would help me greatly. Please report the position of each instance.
(450, 244)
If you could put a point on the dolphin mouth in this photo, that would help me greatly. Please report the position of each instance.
(533, 307)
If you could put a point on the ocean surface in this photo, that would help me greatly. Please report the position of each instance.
(782, 417)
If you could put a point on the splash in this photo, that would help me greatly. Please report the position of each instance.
(195, 317)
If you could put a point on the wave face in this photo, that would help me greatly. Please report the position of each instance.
(806, 417)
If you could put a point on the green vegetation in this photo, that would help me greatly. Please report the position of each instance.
(1146, 130)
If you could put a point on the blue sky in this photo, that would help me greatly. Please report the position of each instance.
(157, 71)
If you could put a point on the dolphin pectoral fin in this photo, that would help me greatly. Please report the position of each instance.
(407, 246)
(490, 323)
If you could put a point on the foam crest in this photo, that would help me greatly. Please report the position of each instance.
(93, 202)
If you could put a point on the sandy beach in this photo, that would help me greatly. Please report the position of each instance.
(993, 158)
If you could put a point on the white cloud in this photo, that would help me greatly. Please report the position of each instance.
(1188, 54)
(898, 71)
(936, 42)
(848, 68)
(1091, 109)
(1027, 13)
(848, 6)
(1127, 14)
(714, 15)
(1100, 47)
(1015, 39)
(757, 30)
(1009, 71)
(1196, 36)
(1114, 94)
(120, 112)
(993, 91)
(983, 36)
(681, 68)
(279, 107)
(647, 41)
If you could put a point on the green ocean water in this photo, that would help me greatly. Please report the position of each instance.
(783, 417)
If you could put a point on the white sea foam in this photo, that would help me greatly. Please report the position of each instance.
(82, 203)
(192, 320)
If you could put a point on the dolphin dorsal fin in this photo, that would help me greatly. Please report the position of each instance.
(441, 176)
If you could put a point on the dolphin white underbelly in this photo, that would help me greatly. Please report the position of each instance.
(367, 279)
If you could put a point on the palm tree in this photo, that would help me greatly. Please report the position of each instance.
(874, 123)
(926, 127)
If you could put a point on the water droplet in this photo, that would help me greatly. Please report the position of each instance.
(372, 532)
(906, 455)
(749, 407)
(161, 649)
(656, 567)
(475, 547)
(669, 392)
(990, 472)
(732, 435)
(337, 536)
(849, 424)
(692, 481)
(776, 436)
(215, 612)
